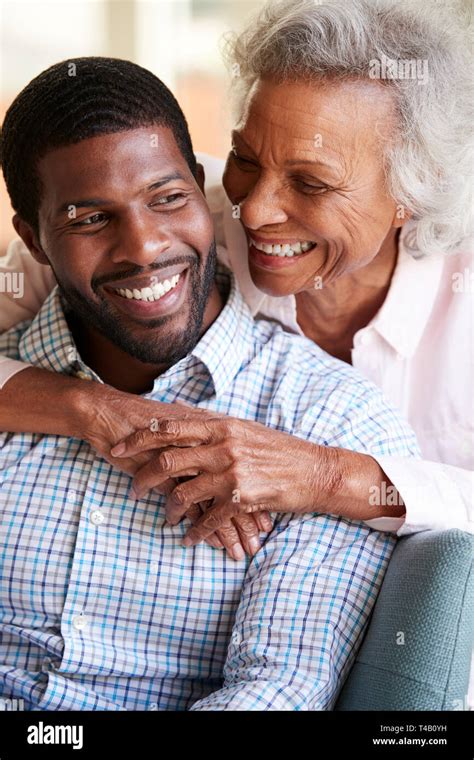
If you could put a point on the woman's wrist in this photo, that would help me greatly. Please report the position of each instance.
(356, 487)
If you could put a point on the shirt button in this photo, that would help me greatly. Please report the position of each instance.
(154, 567)
(97, 517)
(47, 664)
(153, 706)
(79, 622)
(83, 375)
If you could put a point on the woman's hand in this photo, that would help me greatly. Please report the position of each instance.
(109, 415)
(242, 465)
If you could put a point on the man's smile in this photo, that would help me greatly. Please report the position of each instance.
(155, 295)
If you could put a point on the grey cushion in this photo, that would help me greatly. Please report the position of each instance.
(427, 602)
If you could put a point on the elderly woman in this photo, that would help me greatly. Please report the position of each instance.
(348, 188)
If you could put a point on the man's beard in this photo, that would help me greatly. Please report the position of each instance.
(172, 345)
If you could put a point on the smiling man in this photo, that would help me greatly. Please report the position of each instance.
(101, 606)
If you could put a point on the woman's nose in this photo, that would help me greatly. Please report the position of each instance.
(262, 206)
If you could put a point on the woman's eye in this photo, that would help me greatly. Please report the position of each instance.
(308, 188)
(242, 160)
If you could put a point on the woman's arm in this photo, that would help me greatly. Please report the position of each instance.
(246, 467)
(38, 401)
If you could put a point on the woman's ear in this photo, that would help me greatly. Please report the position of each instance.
(30, 239)
(401, 215)
(200, 177)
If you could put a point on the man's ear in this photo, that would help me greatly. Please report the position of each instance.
(200, 177)
(30, 239)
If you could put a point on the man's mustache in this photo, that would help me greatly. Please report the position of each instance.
(107, 279)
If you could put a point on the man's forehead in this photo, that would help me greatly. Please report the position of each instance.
(126, 155)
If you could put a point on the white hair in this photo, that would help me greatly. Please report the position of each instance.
(428, 161)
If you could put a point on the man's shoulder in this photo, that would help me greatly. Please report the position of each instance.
(301, 356)
(326, 400)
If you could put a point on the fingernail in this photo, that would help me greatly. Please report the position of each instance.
(254, 545)
(238, 552)
(187, 541)
(118, 449)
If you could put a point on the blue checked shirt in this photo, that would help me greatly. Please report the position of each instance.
(101, 608)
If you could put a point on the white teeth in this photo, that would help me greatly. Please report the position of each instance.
(285, 249)
(153, 293)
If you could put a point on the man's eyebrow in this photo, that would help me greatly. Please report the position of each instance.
(165, 180)
(95, 202)
(83, 203)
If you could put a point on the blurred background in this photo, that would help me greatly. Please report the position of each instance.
(179, 40)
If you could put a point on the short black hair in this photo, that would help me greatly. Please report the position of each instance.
(72, 101)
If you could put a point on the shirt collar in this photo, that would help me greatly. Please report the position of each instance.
(229, 342)
(223, 349)
(48, 341)
(403, 316)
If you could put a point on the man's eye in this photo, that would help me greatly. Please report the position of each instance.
(168, 199)
(89, 220)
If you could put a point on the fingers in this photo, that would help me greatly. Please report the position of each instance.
(194, 491)
(230, 537)
(189, 431)
(264, 521)
(194, 513)
(249, 532)
(178, 463)
(214, 519)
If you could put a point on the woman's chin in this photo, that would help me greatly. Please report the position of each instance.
(272, 284)
(279, 276)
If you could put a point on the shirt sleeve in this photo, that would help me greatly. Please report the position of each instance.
(305, 601)
(437, 496)
(25, 285)
(9, 368)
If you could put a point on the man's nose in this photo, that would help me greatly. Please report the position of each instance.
(140, 241)
(263, 205)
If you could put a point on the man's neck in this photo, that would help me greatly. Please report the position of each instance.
(332, 315)
(116, 367)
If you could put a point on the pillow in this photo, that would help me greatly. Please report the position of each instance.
(417, 650)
